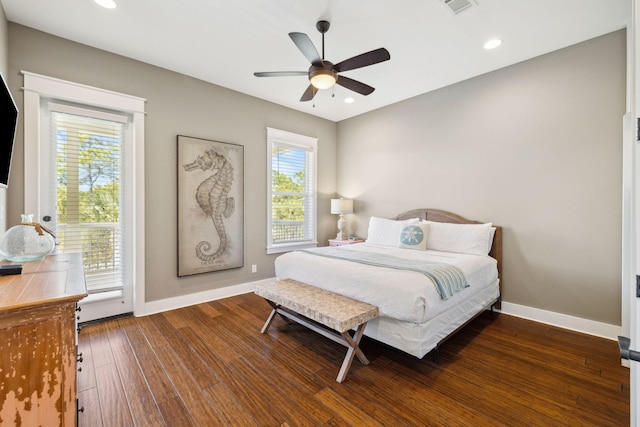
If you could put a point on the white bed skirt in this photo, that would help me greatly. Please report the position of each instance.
(419, 339)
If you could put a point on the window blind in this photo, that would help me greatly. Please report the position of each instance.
(292, 194)
(88, 191)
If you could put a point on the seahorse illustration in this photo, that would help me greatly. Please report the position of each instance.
(212, 197)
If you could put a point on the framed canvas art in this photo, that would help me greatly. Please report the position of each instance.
(210, 206)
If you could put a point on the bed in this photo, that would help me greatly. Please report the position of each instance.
(419, 308)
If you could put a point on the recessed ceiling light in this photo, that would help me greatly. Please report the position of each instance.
(492, 44)
(349, 100)
(107, 4)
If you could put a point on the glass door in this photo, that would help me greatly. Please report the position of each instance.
(83, 201)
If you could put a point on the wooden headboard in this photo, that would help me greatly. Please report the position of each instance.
(444, 216)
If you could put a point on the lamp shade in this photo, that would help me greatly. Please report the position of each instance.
(341, 206)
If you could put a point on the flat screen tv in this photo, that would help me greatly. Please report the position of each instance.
(9, 114)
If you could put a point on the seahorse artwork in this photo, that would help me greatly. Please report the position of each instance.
(212, 197)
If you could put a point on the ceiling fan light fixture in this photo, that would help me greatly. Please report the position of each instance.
(323, 79)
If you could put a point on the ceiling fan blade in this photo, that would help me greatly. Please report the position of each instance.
(281, 73)
(363, 60)
(354, 85)
(309, 93)
(303, 42)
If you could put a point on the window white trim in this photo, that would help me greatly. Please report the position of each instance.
(79, 111)
(284, 138)
(38, 87)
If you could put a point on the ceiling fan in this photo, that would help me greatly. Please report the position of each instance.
(323, 74)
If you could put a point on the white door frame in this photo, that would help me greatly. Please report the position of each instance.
(38, 87)
(631, 208)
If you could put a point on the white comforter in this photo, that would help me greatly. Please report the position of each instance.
(404, 295)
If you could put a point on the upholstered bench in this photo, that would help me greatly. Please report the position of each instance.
(312, 307)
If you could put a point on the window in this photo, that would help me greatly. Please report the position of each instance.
(291, 180)
(87, 152)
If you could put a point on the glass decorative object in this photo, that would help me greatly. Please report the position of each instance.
(27, 241)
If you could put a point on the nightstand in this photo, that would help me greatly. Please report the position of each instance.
(334, 242)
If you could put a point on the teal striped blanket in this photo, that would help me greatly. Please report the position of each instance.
(447, 278)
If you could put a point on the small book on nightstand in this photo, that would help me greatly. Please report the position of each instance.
(336, 242)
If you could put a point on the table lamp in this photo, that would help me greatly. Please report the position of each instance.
(341, 207)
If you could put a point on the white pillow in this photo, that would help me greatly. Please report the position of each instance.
(386, 232)
(474, 239)
(414, 236)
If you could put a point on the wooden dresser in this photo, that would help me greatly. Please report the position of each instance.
(38, 342)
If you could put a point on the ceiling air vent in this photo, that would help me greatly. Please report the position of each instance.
(457, 6)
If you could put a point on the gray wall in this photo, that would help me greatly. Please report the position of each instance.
(535, 148)
(177, 105)
(4, 41)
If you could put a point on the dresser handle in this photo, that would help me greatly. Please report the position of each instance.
(80, 369)
(81, 409)
(80, 358)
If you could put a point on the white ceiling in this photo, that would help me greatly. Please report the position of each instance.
(225, 42)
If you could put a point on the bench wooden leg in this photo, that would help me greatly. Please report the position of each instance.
(269, 320)
(353, 344)
(272, 315)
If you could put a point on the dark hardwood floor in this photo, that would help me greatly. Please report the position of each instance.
(208, 365)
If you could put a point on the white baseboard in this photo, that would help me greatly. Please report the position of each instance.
(199, 297)
(603, 330)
